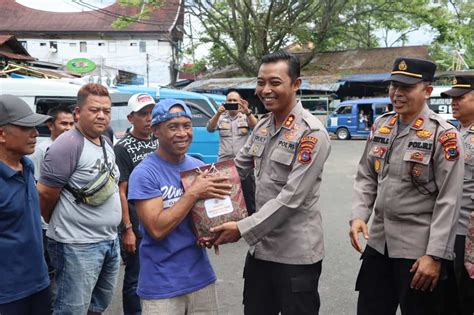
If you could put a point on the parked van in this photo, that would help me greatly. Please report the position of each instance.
(354, 118)
(43, 94)
(205, 145)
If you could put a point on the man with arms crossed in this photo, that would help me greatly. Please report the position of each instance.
(176, 277)
(287, 151)
(409, 179)
(130, 151)
(234, 130)
(462, 94)
(82, 234)
(24, 281)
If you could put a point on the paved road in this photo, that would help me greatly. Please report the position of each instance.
(341, 263)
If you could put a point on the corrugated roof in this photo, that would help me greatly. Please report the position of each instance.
(219, 85)
(12, 49)
(354, 61)
(15, 17)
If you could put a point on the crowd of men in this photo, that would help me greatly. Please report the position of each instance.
(102, 203)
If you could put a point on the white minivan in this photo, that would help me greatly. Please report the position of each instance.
(41, 94)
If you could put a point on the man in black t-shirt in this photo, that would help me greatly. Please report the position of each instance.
(130, 151)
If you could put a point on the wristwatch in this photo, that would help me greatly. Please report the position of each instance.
(435, 258)
(248, 113)
(127, 226)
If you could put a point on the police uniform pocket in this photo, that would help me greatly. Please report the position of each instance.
(417, 166)
(303, 283)
(225, 133)
(469, 168)
(281, 165)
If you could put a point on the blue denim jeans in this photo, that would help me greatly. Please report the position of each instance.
(86, 275)
(130, 299)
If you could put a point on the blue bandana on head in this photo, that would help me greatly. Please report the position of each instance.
(161, 111)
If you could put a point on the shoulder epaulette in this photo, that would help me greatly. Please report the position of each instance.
(443, 123)
(313, 122)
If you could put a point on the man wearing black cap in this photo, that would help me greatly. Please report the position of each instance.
(462, 289)
(24, 284)
(408, 178)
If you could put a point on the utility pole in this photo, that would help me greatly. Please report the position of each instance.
(192, 45)
(147, 70)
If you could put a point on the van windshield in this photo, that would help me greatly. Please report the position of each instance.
(347, 109)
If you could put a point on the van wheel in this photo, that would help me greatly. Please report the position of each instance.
(343, 134)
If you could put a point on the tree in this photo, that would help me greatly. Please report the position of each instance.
(245, 30)
(457, 39)
(240, 32)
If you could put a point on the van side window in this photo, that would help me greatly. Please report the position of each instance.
(44, 104)
(381, 108)
(344, 109)
(203, 105)
(200, 118)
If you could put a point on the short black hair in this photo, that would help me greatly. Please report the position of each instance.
(292, 61)
(54, 111)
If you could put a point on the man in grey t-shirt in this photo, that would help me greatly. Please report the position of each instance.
(82, 238)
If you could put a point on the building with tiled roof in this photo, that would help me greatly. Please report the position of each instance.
(146, 46)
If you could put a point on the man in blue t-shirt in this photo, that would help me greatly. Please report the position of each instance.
(176, 276)
(24, 280)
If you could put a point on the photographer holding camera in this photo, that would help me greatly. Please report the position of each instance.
(234, 119)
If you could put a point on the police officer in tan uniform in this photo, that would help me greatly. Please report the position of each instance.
(287, 150)
(408, 180)
(234, 130)
(462, 286)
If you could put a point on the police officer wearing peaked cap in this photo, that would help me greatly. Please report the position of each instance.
(408, 181)
(461, 284)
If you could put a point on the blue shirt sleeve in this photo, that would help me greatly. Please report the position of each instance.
(143, 184)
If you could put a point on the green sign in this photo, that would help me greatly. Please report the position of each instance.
(80, 65)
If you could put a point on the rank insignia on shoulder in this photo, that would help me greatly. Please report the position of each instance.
(289, 121)
(447, 137)
(451, 152)
(418, 123)
(385, 130)
(304, 156)
(424, 133)
(393, 121)
(417, 156)
(377, 165)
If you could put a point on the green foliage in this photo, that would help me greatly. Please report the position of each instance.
(146, 8)
(240, 32)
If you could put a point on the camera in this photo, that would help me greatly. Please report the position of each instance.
(231, 106)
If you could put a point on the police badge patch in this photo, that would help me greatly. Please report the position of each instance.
(377, 165)
(385, 130)
(423, 134)
(304, 156)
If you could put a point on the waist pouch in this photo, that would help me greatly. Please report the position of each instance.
(97, 191)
